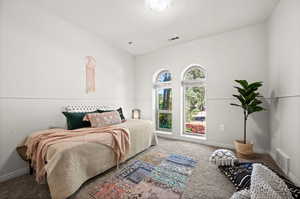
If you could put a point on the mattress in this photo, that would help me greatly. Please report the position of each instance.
(74, 163)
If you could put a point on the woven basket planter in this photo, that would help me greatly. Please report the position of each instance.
(243, 149)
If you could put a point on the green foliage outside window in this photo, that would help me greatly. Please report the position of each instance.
(194, 74)
(165, 120)
(195, 101)
(165, 99)
(165, 104)
(194, 98)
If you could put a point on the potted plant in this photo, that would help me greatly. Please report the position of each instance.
(249, 102)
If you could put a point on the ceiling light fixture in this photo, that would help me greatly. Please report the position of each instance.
(158, 5)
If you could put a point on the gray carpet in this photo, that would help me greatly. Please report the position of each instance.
(206, 181)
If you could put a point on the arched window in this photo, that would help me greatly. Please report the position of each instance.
(194, 112)
(163, 101)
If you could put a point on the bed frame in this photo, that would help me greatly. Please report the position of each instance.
(68, 108)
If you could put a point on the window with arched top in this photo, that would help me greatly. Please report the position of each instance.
(163, 101)
(163, 76)
(194, 73)
(194, 112)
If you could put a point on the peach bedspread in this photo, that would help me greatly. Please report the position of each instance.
(71, 163)
(116, 138)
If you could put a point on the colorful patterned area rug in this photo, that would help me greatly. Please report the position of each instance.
(155, 176)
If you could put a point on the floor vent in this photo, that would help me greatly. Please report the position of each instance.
(283, 161)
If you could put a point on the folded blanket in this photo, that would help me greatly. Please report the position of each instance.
(116, 138)
(264, 184)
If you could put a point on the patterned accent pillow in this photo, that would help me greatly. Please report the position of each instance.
(119, 110)
(240, 176)
(103, 119)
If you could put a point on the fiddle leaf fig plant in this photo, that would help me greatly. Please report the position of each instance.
(248, 98)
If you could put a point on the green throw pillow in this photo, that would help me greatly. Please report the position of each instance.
(75, 120)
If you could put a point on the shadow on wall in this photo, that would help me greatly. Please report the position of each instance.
(12, 163)
(262, 132)
(274, 121)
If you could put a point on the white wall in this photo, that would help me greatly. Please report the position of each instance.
(42, 69)
(42, 63)
(239, 54)
(284, 58)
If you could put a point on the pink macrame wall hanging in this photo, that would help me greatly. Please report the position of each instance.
(90, 70)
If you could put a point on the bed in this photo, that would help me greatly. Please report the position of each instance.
(74, 163)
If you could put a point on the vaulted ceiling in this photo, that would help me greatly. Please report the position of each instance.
(122, 21)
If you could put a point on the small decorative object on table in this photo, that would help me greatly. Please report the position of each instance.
(136, 114)
(222, 157)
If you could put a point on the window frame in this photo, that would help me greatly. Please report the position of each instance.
(162, 85)
(188, 84)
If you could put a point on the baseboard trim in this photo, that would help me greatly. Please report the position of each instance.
(206, 142)
(294, 179)
(291, 175)
(13, 174)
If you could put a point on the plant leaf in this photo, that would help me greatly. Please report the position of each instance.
(240, 98)
(241, 91)
(235, 104)
(243, 83)
(255, 85)
(251, 97)
(255, 102)
(247, 96)
(253, 109)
